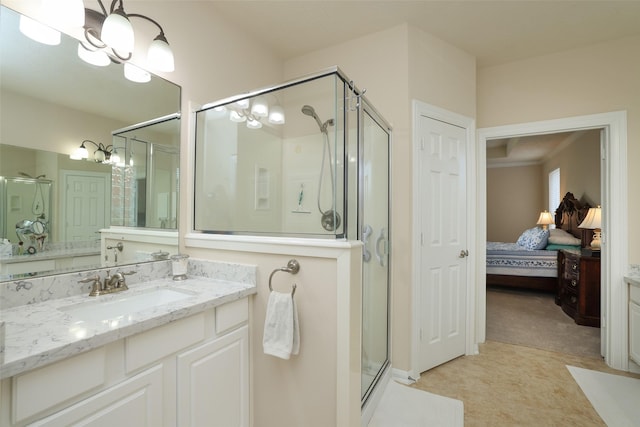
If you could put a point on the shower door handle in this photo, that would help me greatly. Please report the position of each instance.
(366, 234)
(381, 255)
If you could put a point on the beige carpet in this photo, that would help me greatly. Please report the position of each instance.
(533, 319)
(509, 385)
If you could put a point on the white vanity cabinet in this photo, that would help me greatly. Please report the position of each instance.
(634, 323)
(189, 372)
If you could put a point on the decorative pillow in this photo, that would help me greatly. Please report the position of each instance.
(558, 236)
(534, 238)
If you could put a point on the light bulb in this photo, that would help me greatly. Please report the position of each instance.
(38, 31)
(276, 115)
(253, 123)
(160, 56)
(117, 32)
(260, 108)
(136, 74)
(93, 57)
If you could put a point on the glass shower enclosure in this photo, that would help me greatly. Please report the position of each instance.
(308, 158)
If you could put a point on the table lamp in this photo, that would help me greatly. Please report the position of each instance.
(545, 219)
(593, 221)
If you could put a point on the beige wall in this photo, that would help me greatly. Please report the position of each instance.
(600, 78)
(396, 66)
(516, 195)
(514, 201)
(579, 165)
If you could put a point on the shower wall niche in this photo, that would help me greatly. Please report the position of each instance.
(277, 162)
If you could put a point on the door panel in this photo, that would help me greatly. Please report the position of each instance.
(443, 253)
(374, 234)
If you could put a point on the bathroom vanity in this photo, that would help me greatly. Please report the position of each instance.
(162, 353)
(634, 318)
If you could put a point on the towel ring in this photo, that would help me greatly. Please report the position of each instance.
(292, 267)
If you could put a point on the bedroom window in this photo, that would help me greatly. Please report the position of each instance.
(554, 191)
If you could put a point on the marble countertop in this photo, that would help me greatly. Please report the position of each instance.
(633, 280)
(39, 334)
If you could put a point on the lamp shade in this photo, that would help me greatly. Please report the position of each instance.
(136, 74)
(39, 32)
(545, 218)
(94, 57)
(117, 32)
(593, 219)
(160, 56)
(276, 115)
(260, 108)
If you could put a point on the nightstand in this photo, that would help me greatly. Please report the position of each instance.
(579, 287)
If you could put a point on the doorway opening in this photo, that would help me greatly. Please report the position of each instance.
(614, 207)
(525, 305)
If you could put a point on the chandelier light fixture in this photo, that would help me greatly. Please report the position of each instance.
(108, 35)
(254, 111)
(102, 154)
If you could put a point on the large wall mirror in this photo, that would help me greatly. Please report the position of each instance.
(50, 103)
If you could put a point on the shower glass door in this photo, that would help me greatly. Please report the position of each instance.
(374, 233)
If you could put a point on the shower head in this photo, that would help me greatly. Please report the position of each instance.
(310, 111)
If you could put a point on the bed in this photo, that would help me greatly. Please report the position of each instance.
(532, 262)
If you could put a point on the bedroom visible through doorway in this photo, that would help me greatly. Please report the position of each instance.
(614, 213)
(523, 180)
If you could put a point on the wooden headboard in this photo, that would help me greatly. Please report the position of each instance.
(570, 213)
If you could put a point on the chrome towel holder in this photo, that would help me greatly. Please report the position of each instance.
(292, 267)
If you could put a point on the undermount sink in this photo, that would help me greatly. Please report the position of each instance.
(123, 305)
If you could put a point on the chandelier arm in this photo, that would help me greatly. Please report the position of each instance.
(120, 57)
(137, 15)
(104, 10)
(92, 32)
(113, 6)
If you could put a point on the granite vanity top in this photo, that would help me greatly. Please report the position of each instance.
(39, 334)
(633, 280)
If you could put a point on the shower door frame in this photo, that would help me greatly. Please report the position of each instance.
(370, 398)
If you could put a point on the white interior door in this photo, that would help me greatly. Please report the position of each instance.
(442, 287)
(85, 196)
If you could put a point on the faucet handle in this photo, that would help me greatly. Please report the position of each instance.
(128, 273)
(90, 279)
(96, 288)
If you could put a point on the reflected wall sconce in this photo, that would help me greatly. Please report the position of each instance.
(545, 219)
(254, 111)
(102, 154)
(593, 221)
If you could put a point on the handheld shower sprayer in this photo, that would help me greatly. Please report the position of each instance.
(310, 111)
(330, 219)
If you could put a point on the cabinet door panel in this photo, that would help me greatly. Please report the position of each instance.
(634, 332)
(135, 402)
(213, 383)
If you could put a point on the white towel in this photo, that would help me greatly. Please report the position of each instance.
(281, 332)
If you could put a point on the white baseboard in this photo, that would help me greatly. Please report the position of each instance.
(404, 377)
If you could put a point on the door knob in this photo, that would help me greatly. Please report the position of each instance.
(463, 253)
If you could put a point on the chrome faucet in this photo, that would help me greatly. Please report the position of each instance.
(111, 284)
